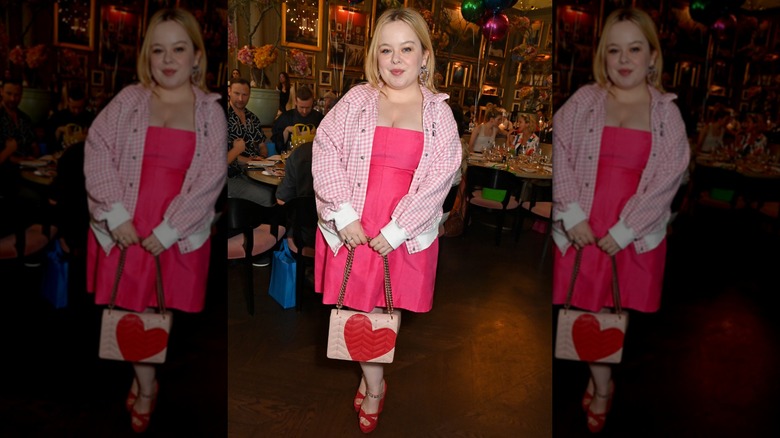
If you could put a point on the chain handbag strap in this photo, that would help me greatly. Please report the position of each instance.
(120, 268)
(348, 270)
(615, 286)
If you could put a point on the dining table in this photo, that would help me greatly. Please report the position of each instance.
(522, 167)
(755, 180)
(40, 171)
(267, 171)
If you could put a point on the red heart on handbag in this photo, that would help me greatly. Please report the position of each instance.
(591, 342)
(363, 342)
(135, 342)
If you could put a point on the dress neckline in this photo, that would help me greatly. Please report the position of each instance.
(628, 129)
(172, 129)
(401, 129)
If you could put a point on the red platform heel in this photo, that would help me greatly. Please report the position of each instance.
(359, 396)
(371, 420)
(140, 422)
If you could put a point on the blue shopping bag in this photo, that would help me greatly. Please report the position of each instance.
(282, 286)
(55, 278)
(271, 148)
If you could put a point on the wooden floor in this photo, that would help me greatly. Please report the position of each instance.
(478, 365)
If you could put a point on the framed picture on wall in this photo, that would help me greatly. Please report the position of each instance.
(74, 24)
(119, 32)
(464, 38)
(294, 65)
(326, 78)
(458, 73)
(534, 36)
(492, 73)
(301, 24)
(347, 47)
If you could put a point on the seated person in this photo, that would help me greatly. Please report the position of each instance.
(483, 137)
(297, 183)
(302, 113)
(711, 136)
(16, 127)
(246, 142)
(523, 139)
(69, 125)
(751, 140)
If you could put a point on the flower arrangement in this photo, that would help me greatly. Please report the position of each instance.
(29, 60)
(298, 62)
(523, 52)
(259, 58)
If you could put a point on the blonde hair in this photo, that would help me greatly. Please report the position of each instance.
(529, 121)
(420, 28)
(191, 26)
(648, 29)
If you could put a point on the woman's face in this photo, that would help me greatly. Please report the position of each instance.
(521, 123)
(282, 79)
(628, 56)
(173, 56)
(236, 74)
(399, 55)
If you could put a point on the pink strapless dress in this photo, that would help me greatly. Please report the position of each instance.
(168, 153)
(394, 157)
(623, 156)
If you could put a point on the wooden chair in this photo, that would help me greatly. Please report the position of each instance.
(478, 179)
(302, 220)
(248, 237)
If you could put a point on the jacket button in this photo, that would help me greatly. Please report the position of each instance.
(131, 184)
(587, 184)
(590, 157)
(134, 157)
(135, 129)
(362, 157)
(358, 184)
(362, 130)
(590, 130)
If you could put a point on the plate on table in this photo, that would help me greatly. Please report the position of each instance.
(33, 163)
(274, 172)
(260, 163)
(276, 157)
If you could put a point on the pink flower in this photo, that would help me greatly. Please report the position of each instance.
(16, 55)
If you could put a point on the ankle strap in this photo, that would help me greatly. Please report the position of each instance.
(602, 395)
(368, 394)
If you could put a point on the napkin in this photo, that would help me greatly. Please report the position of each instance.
(276, 157)
(261, 163)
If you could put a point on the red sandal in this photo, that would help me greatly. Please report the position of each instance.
(140, 422)
(371, 420)
(359, 396)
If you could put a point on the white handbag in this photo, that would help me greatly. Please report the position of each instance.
(361, 336)
(132, 336)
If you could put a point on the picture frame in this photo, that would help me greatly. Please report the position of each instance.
(517, 95)
(74, 22)
(72, 64)
(301, 25)
(516, 108)
(347, 53)
(458, 74)
(312, 86)
(686, 74)
(326, 78)
(310, 62)
(119, 32)
(97, 78)
(493, 73)
(534, 36)
(465, 38)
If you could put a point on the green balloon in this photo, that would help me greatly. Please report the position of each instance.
(472, 10)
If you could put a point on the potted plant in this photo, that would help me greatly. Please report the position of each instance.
(263, 99)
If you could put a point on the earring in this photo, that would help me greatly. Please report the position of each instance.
(195, 75)
(424, 74)
(652, 74)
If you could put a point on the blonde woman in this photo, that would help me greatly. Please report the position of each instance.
(524, 139)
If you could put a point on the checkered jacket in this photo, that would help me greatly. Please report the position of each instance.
(341, 158)
(576, 144)
(113, 158)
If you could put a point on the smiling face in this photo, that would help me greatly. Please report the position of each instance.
(239, 96)
(399, 55)
(172, 55)
(628, 55)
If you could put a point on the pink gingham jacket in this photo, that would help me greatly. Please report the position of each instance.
(576, 145)
(112, 165)
(341, 157)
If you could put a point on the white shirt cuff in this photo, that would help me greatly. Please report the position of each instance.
(166, 235)
(116, 216)
(394, 234)
(344, 216)
(572, 216)
(622, 234)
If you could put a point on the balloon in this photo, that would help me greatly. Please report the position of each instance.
(724, 27)
(494, 5)
(472, 10)
(705, 11)
(496, 27)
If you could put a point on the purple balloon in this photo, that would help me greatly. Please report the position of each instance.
(496, 27)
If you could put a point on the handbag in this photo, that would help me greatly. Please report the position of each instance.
(282, 285)
(302, 133)
(55, 278)
(133, 336)
(588, 336)
(361, 336)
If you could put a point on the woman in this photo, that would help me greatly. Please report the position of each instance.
(618, 204)
(483, 137)
(235, 74)
(154, 166)
(524, 139)
(711, 137)
(395, 141)
(751, 140)
(284, 92)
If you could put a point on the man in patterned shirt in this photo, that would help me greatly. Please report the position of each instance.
(246, 142)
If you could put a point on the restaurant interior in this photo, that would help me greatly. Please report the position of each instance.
(481, 362)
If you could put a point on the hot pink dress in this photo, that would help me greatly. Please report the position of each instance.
(395, 155)
(167, 156)
(623, 156)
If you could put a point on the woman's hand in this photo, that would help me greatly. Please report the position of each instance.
(125, 234)
(608, 245)
(153, 245)
(380, 245)
(353, 235)
(581, 235)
